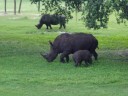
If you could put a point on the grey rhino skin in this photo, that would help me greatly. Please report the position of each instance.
(49, 20)
(69, 43)
(82, 55)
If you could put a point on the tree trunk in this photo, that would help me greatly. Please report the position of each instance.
(38, 6)
(20, 6)
(76, 12)
(66, 6)
(5, 6)
(14, 7)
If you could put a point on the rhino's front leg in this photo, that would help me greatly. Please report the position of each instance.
(63, 55)
(67, 58)
(60, 26)
(50, 26)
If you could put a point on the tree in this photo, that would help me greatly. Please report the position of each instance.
(38, 6)
(96, 13)
(20, 6)
(121, 8)
(74, 4)
(5, 6)
(14, 7)
(36, 2)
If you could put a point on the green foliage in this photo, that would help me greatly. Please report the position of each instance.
(74, 4)
(50, 5)
(96, 13)
(34, 1)
(121, 8)
(63, 10)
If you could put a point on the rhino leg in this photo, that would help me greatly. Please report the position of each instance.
(76, 63)
(60, 26)
(64, 26)
(86, 63)
(95, 55)
(90, 61)
(48, 25)
(67, 58)
(64, 55)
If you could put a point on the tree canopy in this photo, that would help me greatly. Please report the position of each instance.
(95, 13)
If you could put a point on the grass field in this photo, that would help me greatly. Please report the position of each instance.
(23, 72)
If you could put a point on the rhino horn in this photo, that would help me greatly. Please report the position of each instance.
(43, 54)
(36, 25)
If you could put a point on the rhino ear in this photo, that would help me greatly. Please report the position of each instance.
(51, 43)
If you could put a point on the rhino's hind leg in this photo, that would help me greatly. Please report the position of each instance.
(62, 25)
(95, 55)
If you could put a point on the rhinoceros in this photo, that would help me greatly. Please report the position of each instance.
(49, 20)
(82, 55)
(67, 44)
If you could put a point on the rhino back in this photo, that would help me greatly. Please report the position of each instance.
(81, 41)
(62, 42)
(73, 42)
(45, 19)
(54, 19)
(82, 54)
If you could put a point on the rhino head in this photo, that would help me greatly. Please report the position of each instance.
(52, 54)
(38, 26)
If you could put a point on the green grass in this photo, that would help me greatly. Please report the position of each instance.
(23, 72)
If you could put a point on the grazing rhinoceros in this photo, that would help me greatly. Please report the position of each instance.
(69, 43)
(49, 20)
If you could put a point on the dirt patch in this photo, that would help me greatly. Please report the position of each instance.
(116, 55)
(123, 53)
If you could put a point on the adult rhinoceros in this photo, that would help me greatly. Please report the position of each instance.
(69, 43)
(49, 20)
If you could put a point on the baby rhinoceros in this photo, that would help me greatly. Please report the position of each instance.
(82, 55)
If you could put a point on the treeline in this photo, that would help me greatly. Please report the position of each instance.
(19, 10)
